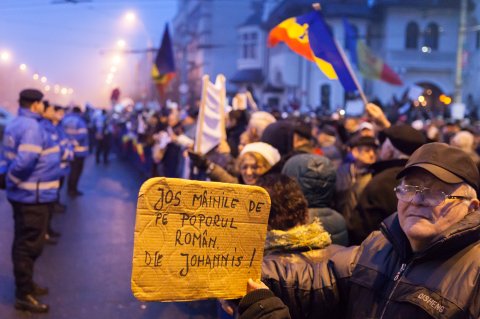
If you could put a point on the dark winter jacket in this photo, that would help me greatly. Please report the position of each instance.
(351, 181)
(378, 200)
(382, 278)
(316, 176)
(306, 243)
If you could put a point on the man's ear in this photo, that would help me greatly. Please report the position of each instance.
(474, 205)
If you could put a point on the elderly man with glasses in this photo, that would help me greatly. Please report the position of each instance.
(424, 263)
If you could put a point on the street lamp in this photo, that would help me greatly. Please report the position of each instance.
(121, 44)
(130, 17)
(22, 67)
(116, 59)
(5, 56)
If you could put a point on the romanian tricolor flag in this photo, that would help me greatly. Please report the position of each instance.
(368, 63)
(163, 69)
(309, 36)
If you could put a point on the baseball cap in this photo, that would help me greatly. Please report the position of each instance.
(449, 164)
(359, 140)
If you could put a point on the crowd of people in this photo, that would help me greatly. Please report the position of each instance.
(369, 219)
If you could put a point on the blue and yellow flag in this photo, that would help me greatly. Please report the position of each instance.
(163, 69)
(309, 36)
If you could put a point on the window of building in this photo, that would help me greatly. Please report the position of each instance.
(351, 36)
(249, 45)
(477, 42)
(411, 38)
(431, 36)
(370, 35)
(325, 92)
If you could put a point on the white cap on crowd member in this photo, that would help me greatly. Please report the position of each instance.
(365, 126)
(270, 153)
(464, 140)
(260, 120)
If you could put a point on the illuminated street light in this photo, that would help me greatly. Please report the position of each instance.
(421, 99)
(36, 76)
(43, 79)
(116, 59)
(47, 88)
(70, 91)
(5, 56)
(63, 91)
(130, 16)
(426, 49)
(22, 67)
(121, 43)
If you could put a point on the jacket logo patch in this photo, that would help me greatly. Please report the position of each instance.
(431, 302)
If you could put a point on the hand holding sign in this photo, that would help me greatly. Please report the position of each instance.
(204, 239)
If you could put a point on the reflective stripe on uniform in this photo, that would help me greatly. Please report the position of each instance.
(81, 148)
(51, 150)
(73, 131)
(29, 148)
(31, 186)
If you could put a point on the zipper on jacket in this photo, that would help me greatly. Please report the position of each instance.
(400, 272)
(398, 275)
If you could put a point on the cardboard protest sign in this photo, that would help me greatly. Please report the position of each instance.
(197, 240)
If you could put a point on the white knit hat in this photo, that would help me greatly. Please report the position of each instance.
(269, 152)
(464, 140)
(260, 120)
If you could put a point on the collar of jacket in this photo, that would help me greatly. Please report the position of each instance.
(27, 113)
(380, 166)
(48, 124)
(300, 238)
(451, 241)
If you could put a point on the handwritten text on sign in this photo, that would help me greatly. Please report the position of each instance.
(197, 240)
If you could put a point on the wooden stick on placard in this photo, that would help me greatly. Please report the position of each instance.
(201, 115)
(223, 94)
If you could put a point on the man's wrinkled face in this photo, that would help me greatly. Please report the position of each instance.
(364, 154)
(422, 223)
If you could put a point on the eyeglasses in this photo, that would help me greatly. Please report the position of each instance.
(427, 196)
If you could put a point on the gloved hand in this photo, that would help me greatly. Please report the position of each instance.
(199, 160)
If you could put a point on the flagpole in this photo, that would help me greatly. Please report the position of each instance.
(317, 7)
(352, 73)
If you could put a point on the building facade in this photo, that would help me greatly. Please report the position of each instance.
(417, 39)
(205, 41)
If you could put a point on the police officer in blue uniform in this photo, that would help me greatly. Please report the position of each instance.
(31, 164)
(76, 129)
